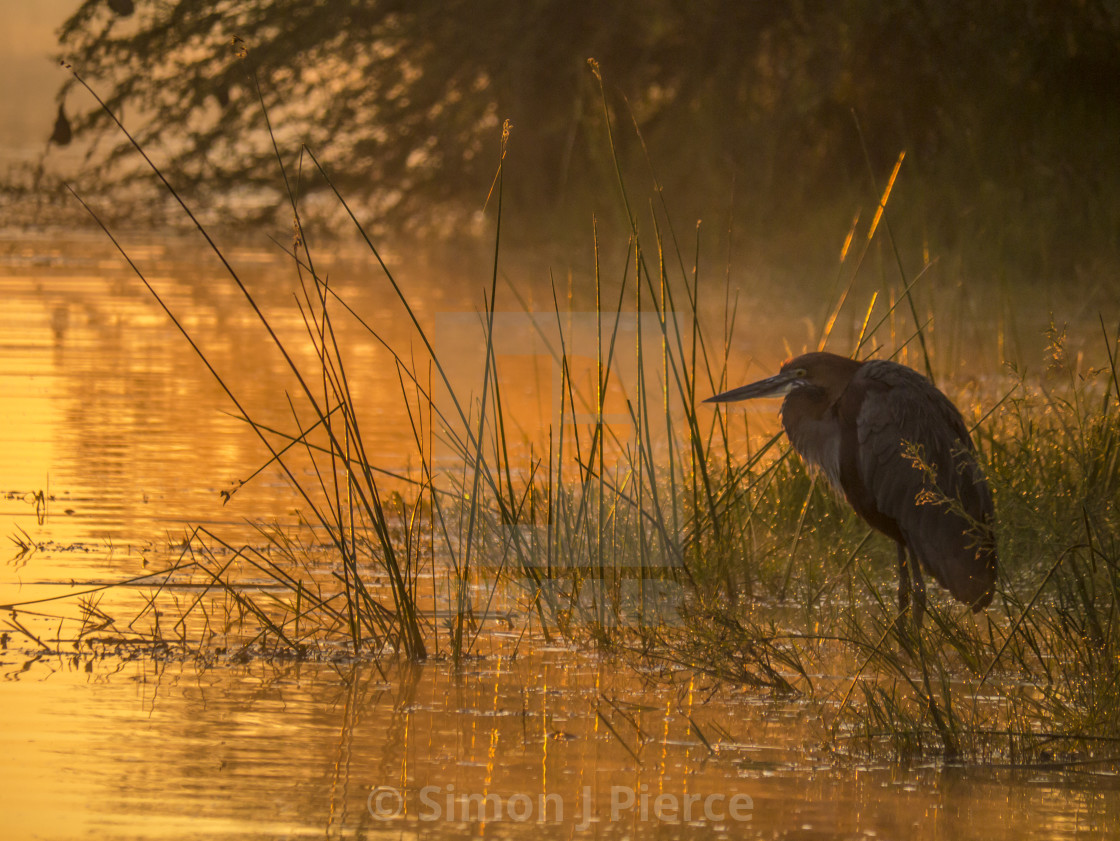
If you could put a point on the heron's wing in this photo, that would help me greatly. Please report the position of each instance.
(917, 463)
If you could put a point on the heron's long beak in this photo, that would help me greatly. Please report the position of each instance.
(775, 386)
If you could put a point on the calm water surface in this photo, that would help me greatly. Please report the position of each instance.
(114, 439)
(233, 751)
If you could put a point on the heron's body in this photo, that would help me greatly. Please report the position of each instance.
(900, 452)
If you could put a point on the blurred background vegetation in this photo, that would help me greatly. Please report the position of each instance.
(1007, 110)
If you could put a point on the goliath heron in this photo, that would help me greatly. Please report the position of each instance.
(900, 452)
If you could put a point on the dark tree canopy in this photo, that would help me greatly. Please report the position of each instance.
(404, 100)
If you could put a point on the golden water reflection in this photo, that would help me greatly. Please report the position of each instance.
(148, 750)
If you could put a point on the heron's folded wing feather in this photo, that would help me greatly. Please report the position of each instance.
(916, 460)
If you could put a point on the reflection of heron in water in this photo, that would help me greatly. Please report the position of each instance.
(900, 452)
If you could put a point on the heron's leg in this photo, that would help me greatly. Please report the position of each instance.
(903, 589)
(918, 585)
(903, 580)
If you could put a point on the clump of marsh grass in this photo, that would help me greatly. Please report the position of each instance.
(647, 526)
(597, 535)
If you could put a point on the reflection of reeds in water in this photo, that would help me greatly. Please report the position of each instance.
(641, 527)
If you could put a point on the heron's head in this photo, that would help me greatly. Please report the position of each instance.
(825, 373)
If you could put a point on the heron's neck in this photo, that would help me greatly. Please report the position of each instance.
(809, 401)
(813, 432)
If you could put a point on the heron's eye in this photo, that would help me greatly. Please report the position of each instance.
(800, 373)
